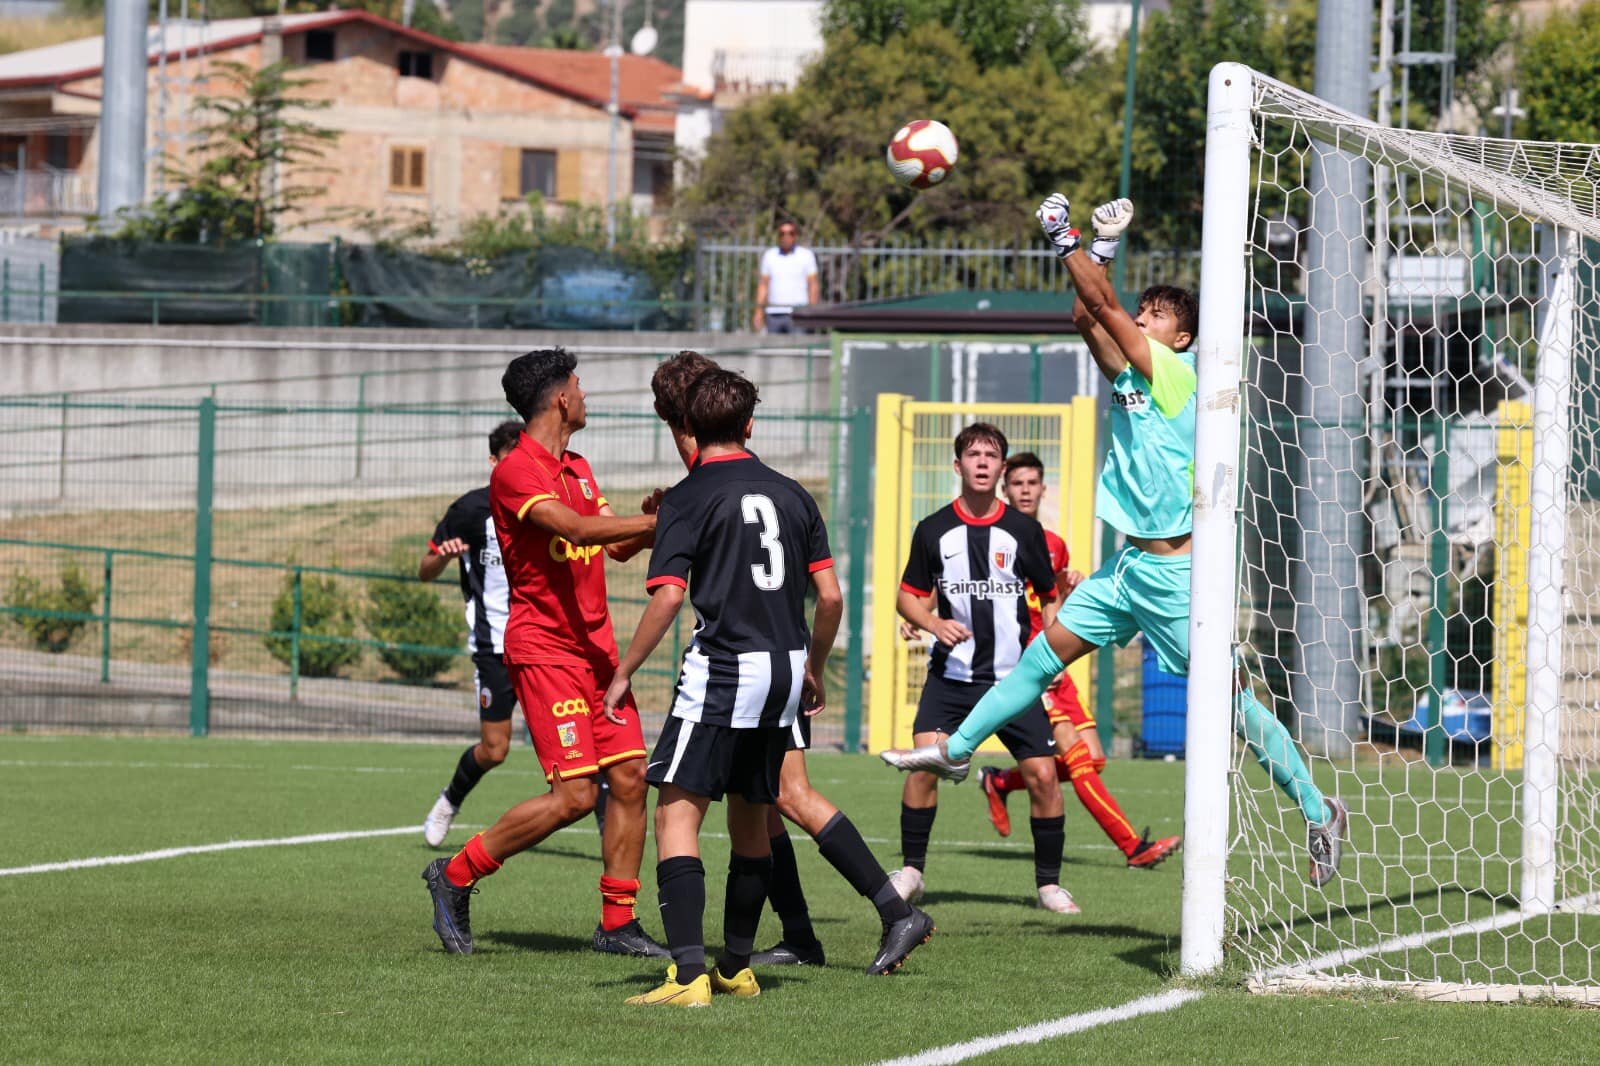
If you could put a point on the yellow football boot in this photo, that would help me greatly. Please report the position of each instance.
(742, 984)
(696, 993)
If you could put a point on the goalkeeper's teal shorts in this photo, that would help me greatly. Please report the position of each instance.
(1135, 592)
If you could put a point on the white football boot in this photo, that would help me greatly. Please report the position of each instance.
(437, 824)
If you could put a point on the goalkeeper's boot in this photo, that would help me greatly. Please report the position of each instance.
(1326, 843)
(907, 882)
(784, 953)
(900, 939)
(930, 758)
(1057, 900)
(998, 816)
(437, 824)
(629, 939)
(742, 984)
(1148, 854)
(450, 918)
(670, 993)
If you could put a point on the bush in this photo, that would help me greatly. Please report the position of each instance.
(409, 612)
(71, 595)
(326, 610)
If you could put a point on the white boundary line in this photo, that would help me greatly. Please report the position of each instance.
(1034, 1034)
(203, 849)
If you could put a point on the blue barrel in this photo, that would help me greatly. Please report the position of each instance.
(1166, 707)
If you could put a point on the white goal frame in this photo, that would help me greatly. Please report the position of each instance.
(1237, 97)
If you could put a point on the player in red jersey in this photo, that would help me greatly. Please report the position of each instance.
(555, 528)
(1079, 756)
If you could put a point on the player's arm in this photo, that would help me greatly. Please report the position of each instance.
(1095, 292)
(1107, 356)
(825, 619)
(438, 556)
(913, 607)
(659, 614)
(624, 550)
(586, 531)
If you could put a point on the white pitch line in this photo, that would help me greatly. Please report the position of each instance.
(1494, 923)
(1034, 1034)
(203, 849)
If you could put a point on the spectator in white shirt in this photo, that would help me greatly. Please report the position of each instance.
(788, 280)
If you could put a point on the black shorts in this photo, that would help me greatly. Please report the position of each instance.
(945, 705)
(492, 682)
(799, 733)
(714, 760)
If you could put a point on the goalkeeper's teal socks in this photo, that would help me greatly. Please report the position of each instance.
(1270, 743)
(1015, 693)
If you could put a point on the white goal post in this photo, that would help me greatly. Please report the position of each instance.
(1397, 551)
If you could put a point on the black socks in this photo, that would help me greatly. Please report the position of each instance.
(841, 844)
(681, 889)
(787, 897)
(916, 825)
(1049, 839)
(468, 773)
(748, 881)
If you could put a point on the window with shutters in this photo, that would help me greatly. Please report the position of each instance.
(408, 169)
(319, 46)
(416, 65)
(538, 173)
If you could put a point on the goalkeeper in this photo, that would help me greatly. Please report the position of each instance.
(1146, 491)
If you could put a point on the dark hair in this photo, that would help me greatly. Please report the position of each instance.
(790, 222)
(504, 437)
(531, 378)
(1180, 302)
(981, 431)
(670, 384)
(1022, 461)
(720, 404)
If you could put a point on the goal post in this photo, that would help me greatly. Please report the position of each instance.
(1396, 542)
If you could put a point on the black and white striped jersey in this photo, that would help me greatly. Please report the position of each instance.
(483, 577)
(979, 571)
(744, 540)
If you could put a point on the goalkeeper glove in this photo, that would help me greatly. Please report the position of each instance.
(1052, 215)
(1110, 219)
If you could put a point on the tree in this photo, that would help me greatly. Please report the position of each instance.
(1556, 77)
(252, 164)
(815, 154)
(999, 33)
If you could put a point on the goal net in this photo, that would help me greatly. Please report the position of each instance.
(1397, 549)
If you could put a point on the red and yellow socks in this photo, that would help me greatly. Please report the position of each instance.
(470, 864)
(1009, 780)
(617, 897)
(1082, 769)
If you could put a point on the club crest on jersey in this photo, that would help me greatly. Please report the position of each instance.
(1003, 559)
(567, 733)
(588, 493)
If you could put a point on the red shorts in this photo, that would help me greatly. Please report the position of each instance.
(1061, 704)
(565, 709)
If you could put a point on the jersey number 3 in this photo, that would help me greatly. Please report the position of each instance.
(758, 510)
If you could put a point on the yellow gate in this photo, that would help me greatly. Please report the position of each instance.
(915, 476)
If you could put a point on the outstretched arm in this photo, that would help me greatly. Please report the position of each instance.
(585, 531)
(1098, 298)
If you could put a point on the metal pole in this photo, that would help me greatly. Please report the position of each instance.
(1435, 741)
(1125, 175)
(1327, 581)
(1547, 558)
(614, 53)
(294, 635)
(105, 620)
(200, 644)
(161, 97)
(855, 671)
(1214, 585)
(122, 110)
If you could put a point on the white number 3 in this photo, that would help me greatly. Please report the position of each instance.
(759, 509)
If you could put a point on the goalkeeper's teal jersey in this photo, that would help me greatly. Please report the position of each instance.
(1147, 486)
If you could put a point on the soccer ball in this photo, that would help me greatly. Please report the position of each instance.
(922, 154)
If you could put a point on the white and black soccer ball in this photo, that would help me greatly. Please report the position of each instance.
(922, 153)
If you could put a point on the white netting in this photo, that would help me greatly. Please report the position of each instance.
(1420, 451)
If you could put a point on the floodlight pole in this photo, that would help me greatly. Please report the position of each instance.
(1125, 174)
(614, 53)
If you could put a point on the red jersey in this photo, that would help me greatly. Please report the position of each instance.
(558, 590)
(1058, 565)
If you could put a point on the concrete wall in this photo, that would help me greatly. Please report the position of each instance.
(438, 392)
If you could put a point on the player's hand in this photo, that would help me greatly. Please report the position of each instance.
(616, 695)
(1071, 580)
(949, 632)
(813, 698)
(1110, 220)
(1052, 216)
(652, 502)
(451, 548)
(910, 631)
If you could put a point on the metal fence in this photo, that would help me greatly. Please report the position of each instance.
(205, 566)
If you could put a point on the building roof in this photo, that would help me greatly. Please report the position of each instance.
(582, 76)
(645, 83)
